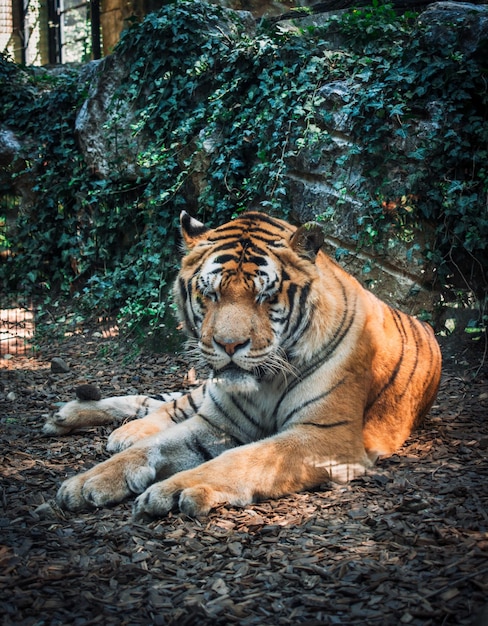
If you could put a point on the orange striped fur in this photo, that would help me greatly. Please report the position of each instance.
(313, 378)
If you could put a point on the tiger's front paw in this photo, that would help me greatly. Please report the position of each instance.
(187, 492)
(130, 433)
(107, 483)
(159, 499)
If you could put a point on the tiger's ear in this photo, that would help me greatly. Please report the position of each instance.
(191, 229)
(307, 240)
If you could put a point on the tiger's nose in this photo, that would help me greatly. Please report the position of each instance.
(231, 346)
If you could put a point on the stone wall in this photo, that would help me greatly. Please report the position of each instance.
(399, 274)
(317, 187)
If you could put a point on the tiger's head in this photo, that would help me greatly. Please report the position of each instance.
(244, 293)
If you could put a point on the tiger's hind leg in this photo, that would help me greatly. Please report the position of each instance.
(82, 413)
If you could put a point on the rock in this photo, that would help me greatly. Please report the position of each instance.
(88, 392)
(58, 366)
(101, 155)
(322, 189)
(14, 153)
(468, 26)
(108, 107)
(10, 147)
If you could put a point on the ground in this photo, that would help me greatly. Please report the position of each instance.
(406, 544)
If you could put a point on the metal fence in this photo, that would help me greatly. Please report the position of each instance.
(17, 327)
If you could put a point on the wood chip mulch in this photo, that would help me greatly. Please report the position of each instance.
(406, 544)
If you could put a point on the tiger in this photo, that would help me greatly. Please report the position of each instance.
(312, 379)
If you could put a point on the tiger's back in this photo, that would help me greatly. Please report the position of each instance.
(406, 375)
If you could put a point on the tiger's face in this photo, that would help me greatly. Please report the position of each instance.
(239, 290)
(234, 296)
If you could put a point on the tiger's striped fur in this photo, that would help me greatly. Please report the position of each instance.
(313, 379)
